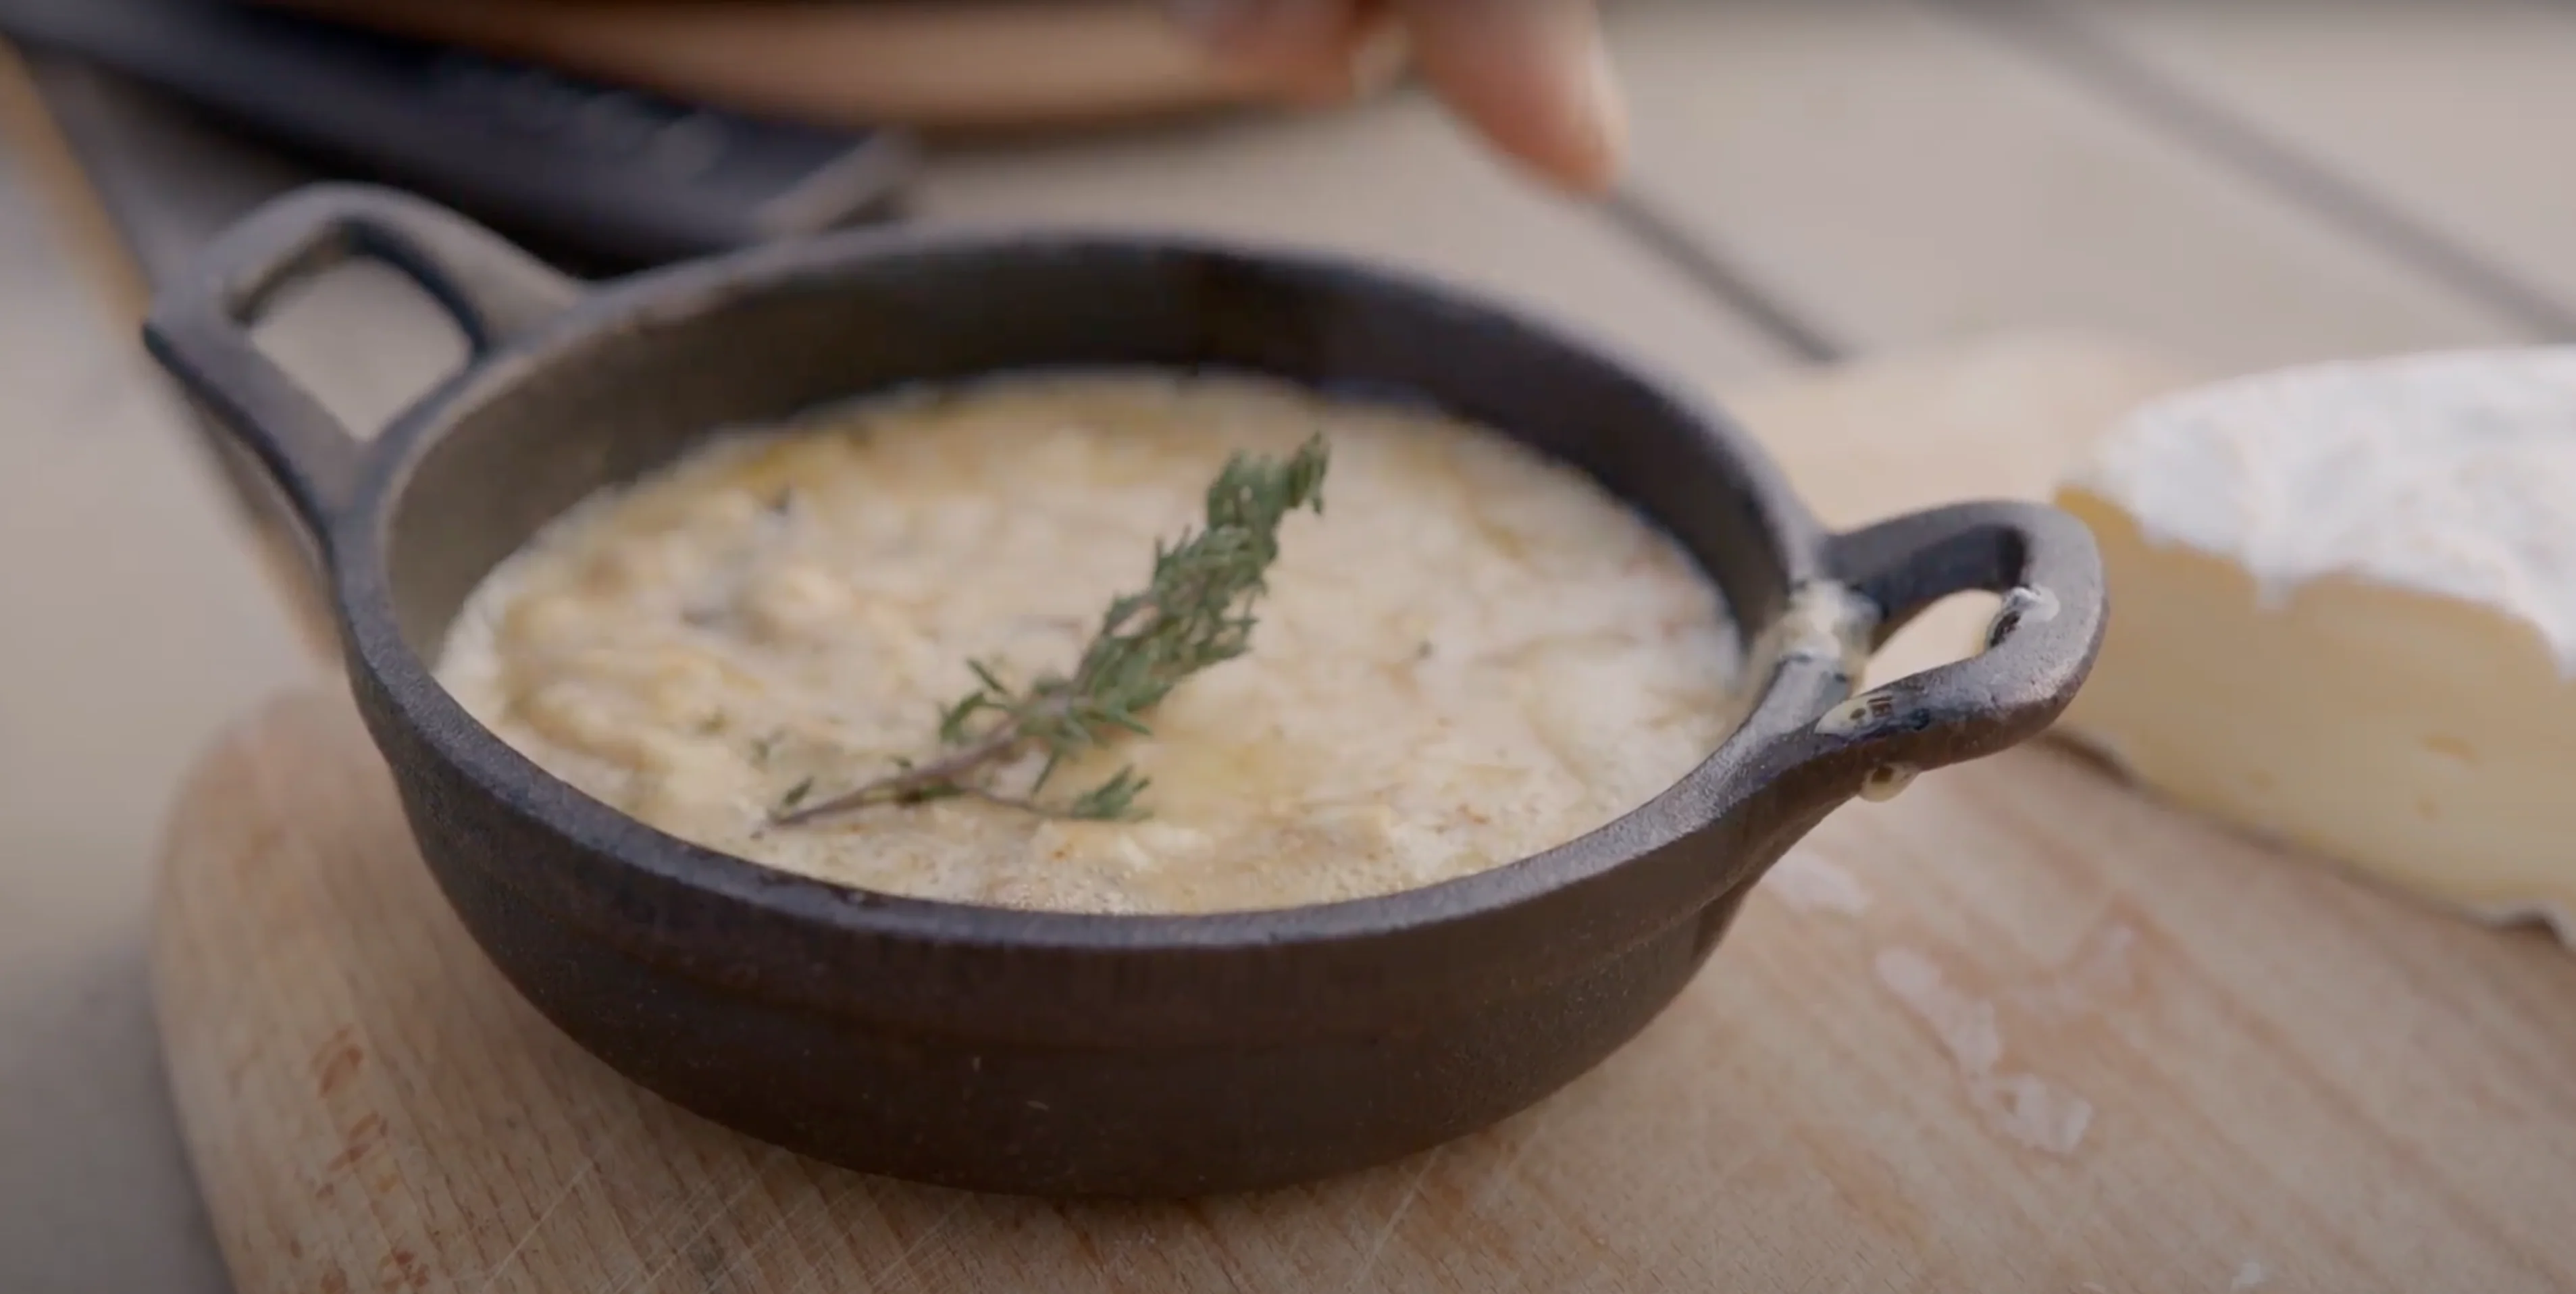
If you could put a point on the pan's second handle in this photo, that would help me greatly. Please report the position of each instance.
(200, 327)
(2038, 651)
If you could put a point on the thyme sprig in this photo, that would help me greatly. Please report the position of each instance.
(1196, 612)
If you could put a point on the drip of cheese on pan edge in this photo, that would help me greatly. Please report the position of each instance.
(2344, 617)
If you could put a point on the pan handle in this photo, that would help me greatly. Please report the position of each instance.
(199, 328)
(2038, 650)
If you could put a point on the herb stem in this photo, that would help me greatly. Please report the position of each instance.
(922, 781)
(1194, 614)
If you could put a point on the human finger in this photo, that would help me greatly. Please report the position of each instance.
(1533, 76)
(1306, 48)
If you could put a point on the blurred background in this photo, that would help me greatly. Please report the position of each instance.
(2242, 185)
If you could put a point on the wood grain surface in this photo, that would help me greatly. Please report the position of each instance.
(1903, 171)
(2018, 1029)
(2425, 113)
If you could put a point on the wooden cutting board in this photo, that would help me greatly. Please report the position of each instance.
(2017, 1030)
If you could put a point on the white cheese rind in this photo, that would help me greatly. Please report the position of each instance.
(2452, 473)
(2342, 603)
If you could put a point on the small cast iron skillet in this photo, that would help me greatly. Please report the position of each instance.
(1056, 1053)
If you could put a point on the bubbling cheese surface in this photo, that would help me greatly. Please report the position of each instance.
(2344, 616)
(1473, 655)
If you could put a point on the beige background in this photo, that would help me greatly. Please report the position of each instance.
(132, 624)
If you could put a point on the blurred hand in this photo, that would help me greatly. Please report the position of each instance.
(1530, 75)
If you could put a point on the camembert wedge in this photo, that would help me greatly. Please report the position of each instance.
(2344, 617)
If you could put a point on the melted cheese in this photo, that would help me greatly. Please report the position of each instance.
(1474, 654)
(2344, 616)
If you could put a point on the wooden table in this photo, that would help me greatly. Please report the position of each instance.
(2240, 185)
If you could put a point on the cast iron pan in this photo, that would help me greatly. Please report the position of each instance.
(1056, 1053)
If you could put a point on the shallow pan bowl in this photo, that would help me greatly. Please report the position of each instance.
(1053, 1053)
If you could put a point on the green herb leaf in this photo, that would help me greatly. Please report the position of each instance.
(1111, 801)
